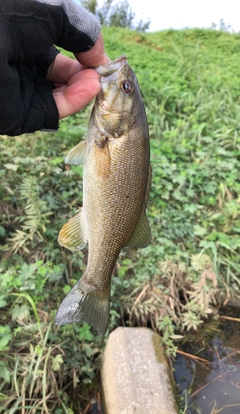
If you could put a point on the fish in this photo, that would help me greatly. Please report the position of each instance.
(116, 184)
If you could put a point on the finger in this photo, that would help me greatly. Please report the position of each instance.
(79, 91)
(95, 56)
(62, 69)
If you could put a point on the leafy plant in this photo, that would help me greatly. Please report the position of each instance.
(35, 221)
(176, 283)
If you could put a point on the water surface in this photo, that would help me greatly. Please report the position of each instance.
(211, 385)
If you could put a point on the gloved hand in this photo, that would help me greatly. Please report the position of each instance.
(38, 86)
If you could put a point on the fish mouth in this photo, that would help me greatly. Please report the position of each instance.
(103, 102)
(113, 66)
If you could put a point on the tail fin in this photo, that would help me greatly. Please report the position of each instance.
(82, 303)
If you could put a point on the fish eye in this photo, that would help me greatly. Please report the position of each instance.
(127, 87)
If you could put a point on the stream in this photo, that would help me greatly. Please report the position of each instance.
(209, 380)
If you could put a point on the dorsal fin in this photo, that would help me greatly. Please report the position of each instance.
(141, 236)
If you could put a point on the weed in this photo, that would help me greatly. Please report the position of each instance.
(176, 283)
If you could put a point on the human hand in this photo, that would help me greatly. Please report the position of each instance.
(38, 86)
(76, 85)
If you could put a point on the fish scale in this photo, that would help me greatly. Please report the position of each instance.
(116, 182)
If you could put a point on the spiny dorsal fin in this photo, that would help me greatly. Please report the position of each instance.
(73, 235)
(77, 154)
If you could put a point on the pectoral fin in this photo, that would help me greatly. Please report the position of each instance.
(77, 154)
(73, 235)
(141, 236)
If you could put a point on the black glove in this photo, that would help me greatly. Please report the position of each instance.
(28, 30)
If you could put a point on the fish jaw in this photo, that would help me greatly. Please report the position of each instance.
(113, 66)
(115, 111)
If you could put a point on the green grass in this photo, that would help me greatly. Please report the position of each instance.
(190, 85)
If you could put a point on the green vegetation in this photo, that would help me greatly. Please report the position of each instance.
(191, 88)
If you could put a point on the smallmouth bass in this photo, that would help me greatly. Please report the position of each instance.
(116, 183)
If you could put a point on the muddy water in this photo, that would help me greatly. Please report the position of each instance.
(211, 384)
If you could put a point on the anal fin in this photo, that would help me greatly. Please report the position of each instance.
(73, 234)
